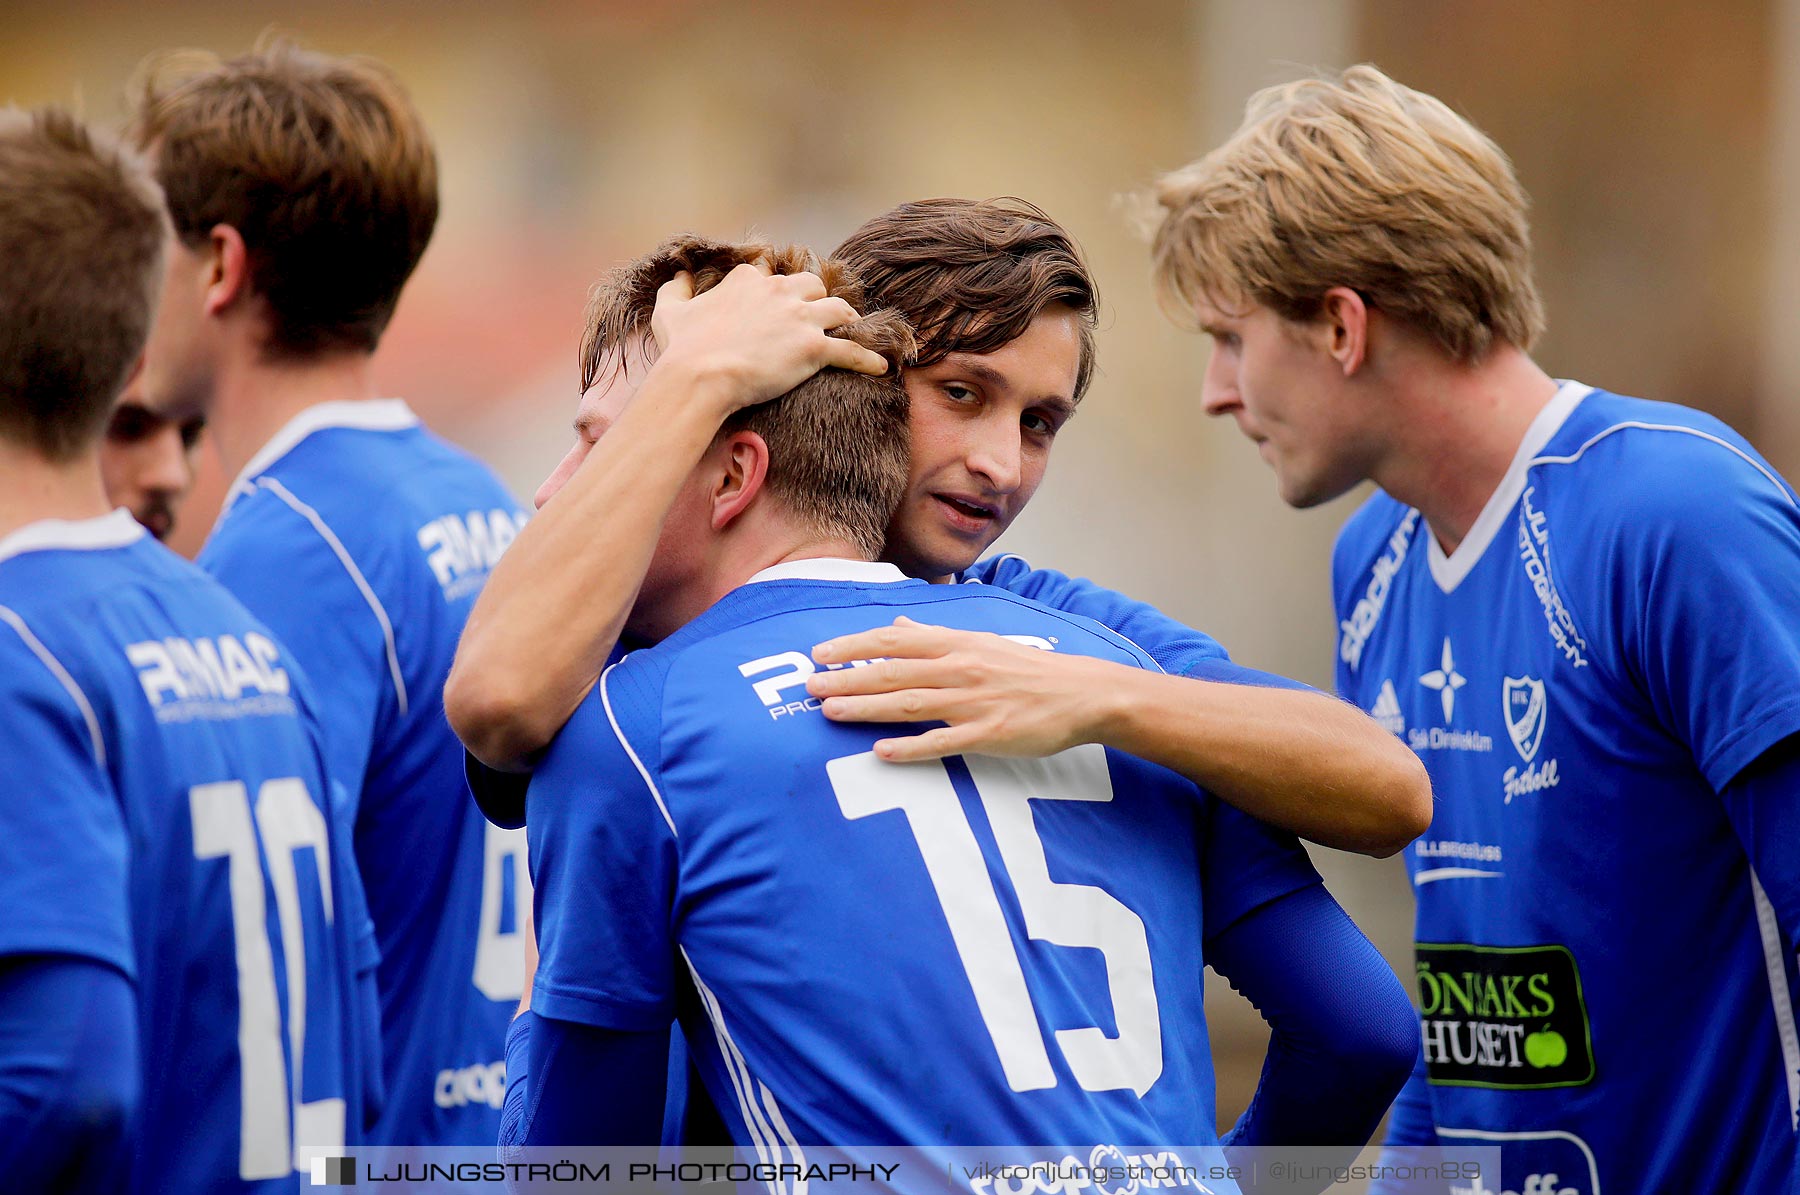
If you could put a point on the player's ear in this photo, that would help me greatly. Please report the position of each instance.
(228, 268)
(1346, 319)
(744, 467)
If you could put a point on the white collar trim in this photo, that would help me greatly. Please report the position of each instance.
(830, 568)
(113, 530)
(1449, 571)
(363, 414)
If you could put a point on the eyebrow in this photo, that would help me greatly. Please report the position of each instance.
(982, 372)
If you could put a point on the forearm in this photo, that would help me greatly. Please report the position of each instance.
(1343, 1036)
(555, 604)
(1296, 759)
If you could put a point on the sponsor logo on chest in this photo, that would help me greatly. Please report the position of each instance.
(1503, 1016)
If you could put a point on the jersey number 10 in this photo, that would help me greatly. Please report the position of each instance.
(1061, 914)
(277, 1131)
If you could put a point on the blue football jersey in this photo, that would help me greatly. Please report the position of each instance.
(167, 812)
(363, 540)
(958, 952)
(1606, 987)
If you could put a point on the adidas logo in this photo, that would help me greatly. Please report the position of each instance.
(1387, 709)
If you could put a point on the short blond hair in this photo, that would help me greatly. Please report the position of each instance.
(1354, 180)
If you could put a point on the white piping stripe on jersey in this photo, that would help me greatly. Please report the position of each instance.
(62, 675)
(1780, 993)
(1450, 571)
(374, 414)
(112, 530)
(1669, 427)
(387, 628)
(728, 1053)
(606, 703)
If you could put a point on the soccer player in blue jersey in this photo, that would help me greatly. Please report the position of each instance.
(179, 951)
(1582, 610)
(661, 858)
(303, 189)
(988, 397)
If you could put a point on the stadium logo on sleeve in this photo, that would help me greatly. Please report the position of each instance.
(1509, 1017)
(1355, 630)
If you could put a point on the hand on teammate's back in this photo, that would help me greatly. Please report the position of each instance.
(999, 697)
(760, 334)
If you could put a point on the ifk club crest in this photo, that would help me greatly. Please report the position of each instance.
(1526, 710)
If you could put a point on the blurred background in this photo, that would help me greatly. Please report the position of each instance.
(1659, 140)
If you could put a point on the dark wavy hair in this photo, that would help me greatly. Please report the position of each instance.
(971, 274)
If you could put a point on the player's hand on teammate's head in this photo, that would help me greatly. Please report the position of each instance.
(753, 318)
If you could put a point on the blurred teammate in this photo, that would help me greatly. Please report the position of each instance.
(661, 853)
(1579, 608)
(303, 189)
(165, 822)
(147, 462)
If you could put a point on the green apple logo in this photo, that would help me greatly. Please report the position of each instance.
(1546, 1049)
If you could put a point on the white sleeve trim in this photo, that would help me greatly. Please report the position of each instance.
(62, 675)
(606, 702)
(336, 545)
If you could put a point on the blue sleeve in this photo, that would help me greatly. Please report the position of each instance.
(603, 866)
(1176, 648)
(1703, 594)
(1343, 1035)
(592, 1086)
(518, 1084)
(1245, 863)
(69, 1074)
(1410, 1133)
(62, 830)
(688, 1115)
(499, 795)
(293, 579)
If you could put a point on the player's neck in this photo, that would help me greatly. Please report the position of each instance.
(737, 557)
(256, 398)
(33, 489)
(1455, 433)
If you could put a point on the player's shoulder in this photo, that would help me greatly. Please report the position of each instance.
(370, 487)
(1632, 466)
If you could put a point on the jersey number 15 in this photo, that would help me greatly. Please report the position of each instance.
(1061, 914)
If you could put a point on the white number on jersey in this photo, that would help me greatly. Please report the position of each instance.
(500, 957)
(1061, 914)
(270, 1143)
